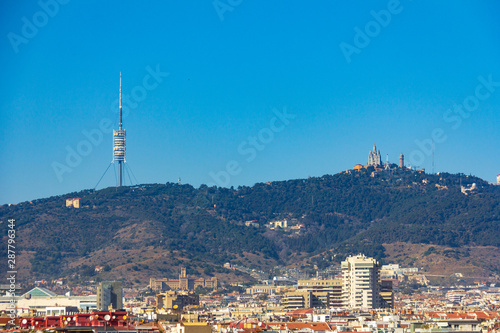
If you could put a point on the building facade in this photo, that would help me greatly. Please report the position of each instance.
(314, 293)
(327, 292)
(110, 295)
(361, 283)
(41, 302)
(298, 300)
(182, 283)
(374, 157)
(176, 300)
(73, 202)
(268, 289)
(386, 294)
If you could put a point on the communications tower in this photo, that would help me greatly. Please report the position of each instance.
(119, 141)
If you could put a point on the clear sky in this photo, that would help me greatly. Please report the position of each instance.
(234, 92)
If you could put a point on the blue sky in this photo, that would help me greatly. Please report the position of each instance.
(255, 91)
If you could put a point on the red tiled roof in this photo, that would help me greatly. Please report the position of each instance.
(300, 312)
(300, 326)
(478, 315)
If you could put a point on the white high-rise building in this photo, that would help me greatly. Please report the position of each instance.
(361, 288)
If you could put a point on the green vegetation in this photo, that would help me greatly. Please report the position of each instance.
(344, 214)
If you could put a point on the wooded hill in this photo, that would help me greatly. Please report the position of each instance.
(153, 229)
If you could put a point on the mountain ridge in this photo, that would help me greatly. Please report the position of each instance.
(153, 229)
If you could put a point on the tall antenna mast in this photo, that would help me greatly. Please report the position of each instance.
(119, 141)
(119, 145)
(120, 123)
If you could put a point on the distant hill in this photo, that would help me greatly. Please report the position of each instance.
(151, 230)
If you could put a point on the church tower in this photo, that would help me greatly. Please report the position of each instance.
(374, 157)
(183, 279)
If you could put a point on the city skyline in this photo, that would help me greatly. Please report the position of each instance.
(237, 93)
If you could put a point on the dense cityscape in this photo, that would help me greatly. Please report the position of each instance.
(360, 295)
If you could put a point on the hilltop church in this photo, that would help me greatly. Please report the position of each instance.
(374, 157)
(375, 160)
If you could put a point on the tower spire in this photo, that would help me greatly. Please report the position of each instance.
(119, 140)
(120, 123)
